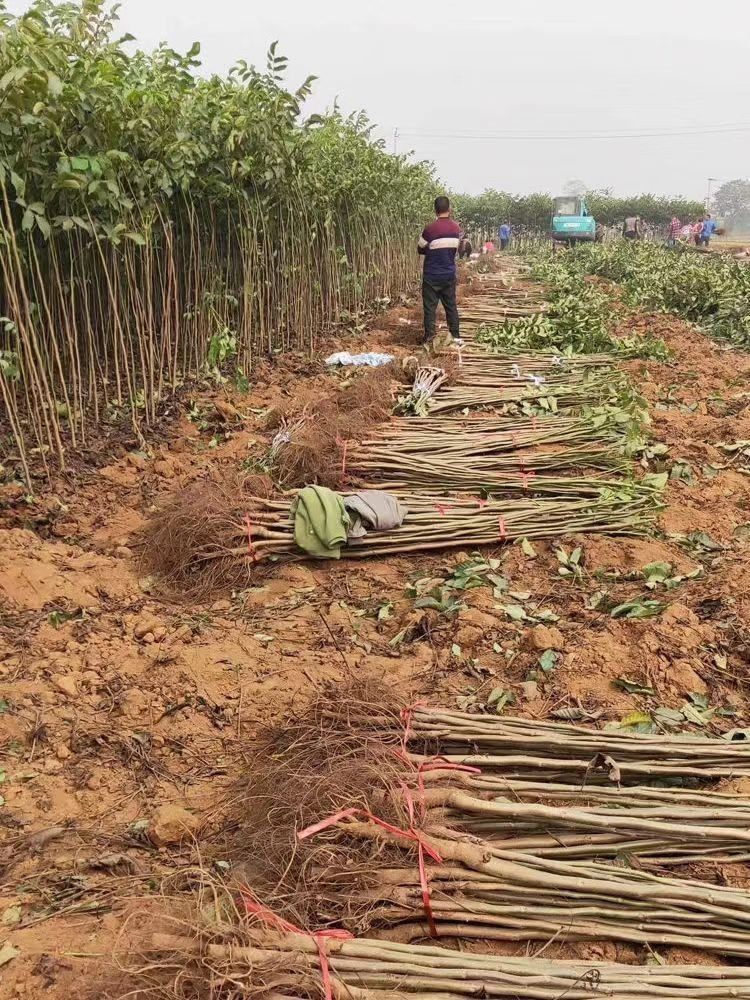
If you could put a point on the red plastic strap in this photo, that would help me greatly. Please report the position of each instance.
(423, 845)
(252, 905)
(533, 423)
(424, 881)
(406, 715)
(503, 532)
(436, 763)
(480, 501)
(319, 937)
(440, 764)
(526, 478)
(410, 834)
(442, 508)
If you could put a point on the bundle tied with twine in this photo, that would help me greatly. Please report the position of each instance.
(312, 441)
(323, 836)
(662, 827)
(371, 840)
(556, 751)
(215, 534)
(271, 964)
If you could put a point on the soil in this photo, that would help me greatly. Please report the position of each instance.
(120, 703)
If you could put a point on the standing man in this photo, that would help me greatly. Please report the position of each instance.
(503, 234)
(438, 244)
(632, 228)
(707, 231)
(674, 231)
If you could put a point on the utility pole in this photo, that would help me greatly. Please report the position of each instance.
(395, 141)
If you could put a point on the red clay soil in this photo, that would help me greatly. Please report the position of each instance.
(121, 708)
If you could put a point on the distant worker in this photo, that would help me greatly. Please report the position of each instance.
(698, 230)
(464, 247)
(438, 244)
(632, 228)
(674, 231)
(707, 231)
(599, 232)
(503, 234)
(489, 247)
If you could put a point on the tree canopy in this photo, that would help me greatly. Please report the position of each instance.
(486, 211)
(732, 201)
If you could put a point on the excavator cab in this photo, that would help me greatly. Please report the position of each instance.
(571, 220)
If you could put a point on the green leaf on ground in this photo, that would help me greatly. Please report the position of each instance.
(657, 572)
(699, 700)
(633, 687)
(527, 548)
(548, 660)
(546, 616)
(637, 722)
(638, 608)
(596, 599)
(656, 480)
(668, 716)
(514, 611)
(499, 698)
(58, 618)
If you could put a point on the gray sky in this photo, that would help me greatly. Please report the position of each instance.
(541, 67)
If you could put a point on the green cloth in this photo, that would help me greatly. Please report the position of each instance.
(320, 522)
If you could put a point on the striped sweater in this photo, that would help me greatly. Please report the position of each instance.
(438, 243)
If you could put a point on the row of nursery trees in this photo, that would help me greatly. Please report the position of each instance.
(154, 222)
(482, 214)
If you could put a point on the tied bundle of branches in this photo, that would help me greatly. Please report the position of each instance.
(522, 748)
(313, 764)
(661, 826)
(214, 534)
(477, 358)
(312, 444)
(569, 389)
(474, 469)
(510, 302)
(477, 890)
(427, 381)
(323, 819)
(507, 489)
(491, 435)
(272, 964)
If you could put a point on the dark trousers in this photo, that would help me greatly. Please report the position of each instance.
(504, 243)
(432, 293)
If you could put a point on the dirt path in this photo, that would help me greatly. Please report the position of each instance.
(119, 708)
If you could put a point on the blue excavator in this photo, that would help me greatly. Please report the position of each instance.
(571, 220)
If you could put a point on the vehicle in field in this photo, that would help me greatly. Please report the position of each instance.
(571, 220)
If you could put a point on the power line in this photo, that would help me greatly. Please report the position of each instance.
(536, 136)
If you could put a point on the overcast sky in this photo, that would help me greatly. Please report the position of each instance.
(439, 69)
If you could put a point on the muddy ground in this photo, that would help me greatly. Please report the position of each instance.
(120, 705)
